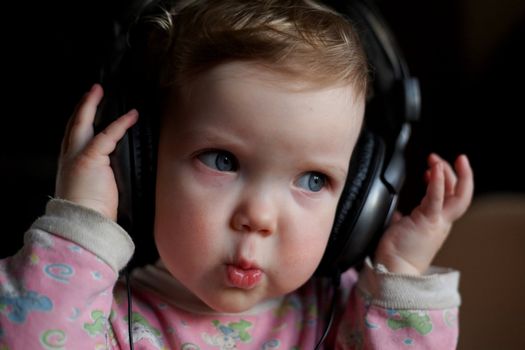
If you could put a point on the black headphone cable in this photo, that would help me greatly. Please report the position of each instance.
(336, 290)
(128, 287)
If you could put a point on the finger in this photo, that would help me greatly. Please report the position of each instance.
(450, 179)
(456, 205)
(396, 216)
(433, 158)
(81, 131)
(427, 176)
(450, 176)
(105, 142)
(67, 131)
(432, 203)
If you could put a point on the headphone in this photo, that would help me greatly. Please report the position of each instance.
(377, 167)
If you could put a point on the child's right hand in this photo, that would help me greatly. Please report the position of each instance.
(84, 173)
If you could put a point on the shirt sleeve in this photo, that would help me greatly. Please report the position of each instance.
(393, 311)
(56, 292)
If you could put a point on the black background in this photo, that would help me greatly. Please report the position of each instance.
(468, 55)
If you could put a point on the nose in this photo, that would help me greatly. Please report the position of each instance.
(255, 213)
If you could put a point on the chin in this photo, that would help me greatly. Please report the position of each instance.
(233, 301)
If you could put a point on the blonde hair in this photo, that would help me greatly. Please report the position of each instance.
(300, 38)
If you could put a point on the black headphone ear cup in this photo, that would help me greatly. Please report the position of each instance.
(127, 85)
(354, 222)
(134, 167)
(358, 174)
(142, 191)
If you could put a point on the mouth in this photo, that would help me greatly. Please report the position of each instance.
(243, 274)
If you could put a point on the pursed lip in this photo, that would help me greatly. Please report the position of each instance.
(243, 274)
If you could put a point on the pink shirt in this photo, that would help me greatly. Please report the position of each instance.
(61, 291)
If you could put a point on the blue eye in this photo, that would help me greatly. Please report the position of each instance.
(312, 181)
(219, 160)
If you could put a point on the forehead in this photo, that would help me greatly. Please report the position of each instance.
(249, 98)
(286, 76)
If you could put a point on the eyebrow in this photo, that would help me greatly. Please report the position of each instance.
(212, 135)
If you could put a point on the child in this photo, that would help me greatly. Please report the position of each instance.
(253, 154)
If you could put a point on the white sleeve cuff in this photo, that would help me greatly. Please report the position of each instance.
(89, 229)
(436, 289)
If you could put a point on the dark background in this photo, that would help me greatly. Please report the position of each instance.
(468, 55)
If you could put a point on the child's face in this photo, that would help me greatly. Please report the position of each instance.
(249, 175)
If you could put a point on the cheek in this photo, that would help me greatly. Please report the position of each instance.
(303, 247)
(185, 221)
(315, 238)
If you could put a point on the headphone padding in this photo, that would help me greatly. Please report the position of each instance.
(363, 164)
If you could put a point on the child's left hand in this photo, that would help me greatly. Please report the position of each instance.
(410, 243)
